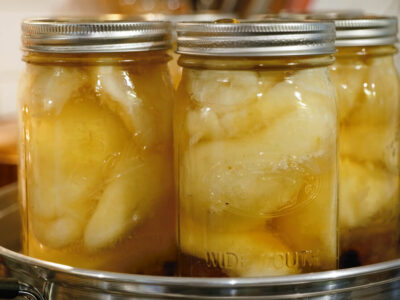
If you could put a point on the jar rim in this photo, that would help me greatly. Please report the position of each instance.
(89, 35)
(361, 30)
(256, 38)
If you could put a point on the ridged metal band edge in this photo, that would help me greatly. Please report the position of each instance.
(44, 35)
(256, 39)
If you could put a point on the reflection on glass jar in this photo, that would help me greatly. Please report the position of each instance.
(255, 143)
(97, 158)
(368, 100)
(174, 68)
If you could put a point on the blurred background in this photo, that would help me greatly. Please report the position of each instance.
(13, 11)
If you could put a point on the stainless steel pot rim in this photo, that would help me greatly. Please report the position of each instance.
(204, 282)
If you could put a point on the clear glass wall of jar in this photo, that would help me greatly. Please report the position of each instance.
(96, 146)
(255, 145)
(368, 104)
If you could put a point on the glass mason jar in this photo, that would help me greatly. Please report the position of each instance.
(368, 106)
(96, 145)
(255, 144)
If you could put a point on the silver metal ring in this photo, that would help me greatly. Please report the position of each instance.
(93, 36)
(263, 38)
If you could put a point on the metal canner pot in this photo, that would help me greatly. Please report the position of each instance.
(24, 276)
(38, 279)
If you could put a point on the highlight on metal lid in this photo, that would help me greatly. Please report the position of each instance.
(256, 38)
(209, 16)
(362, 30)
(198, 17)
(72, 35)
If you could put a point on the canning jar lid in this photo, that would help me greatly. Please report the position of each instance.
(362, 30)
(72, 35)
(256, 38)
